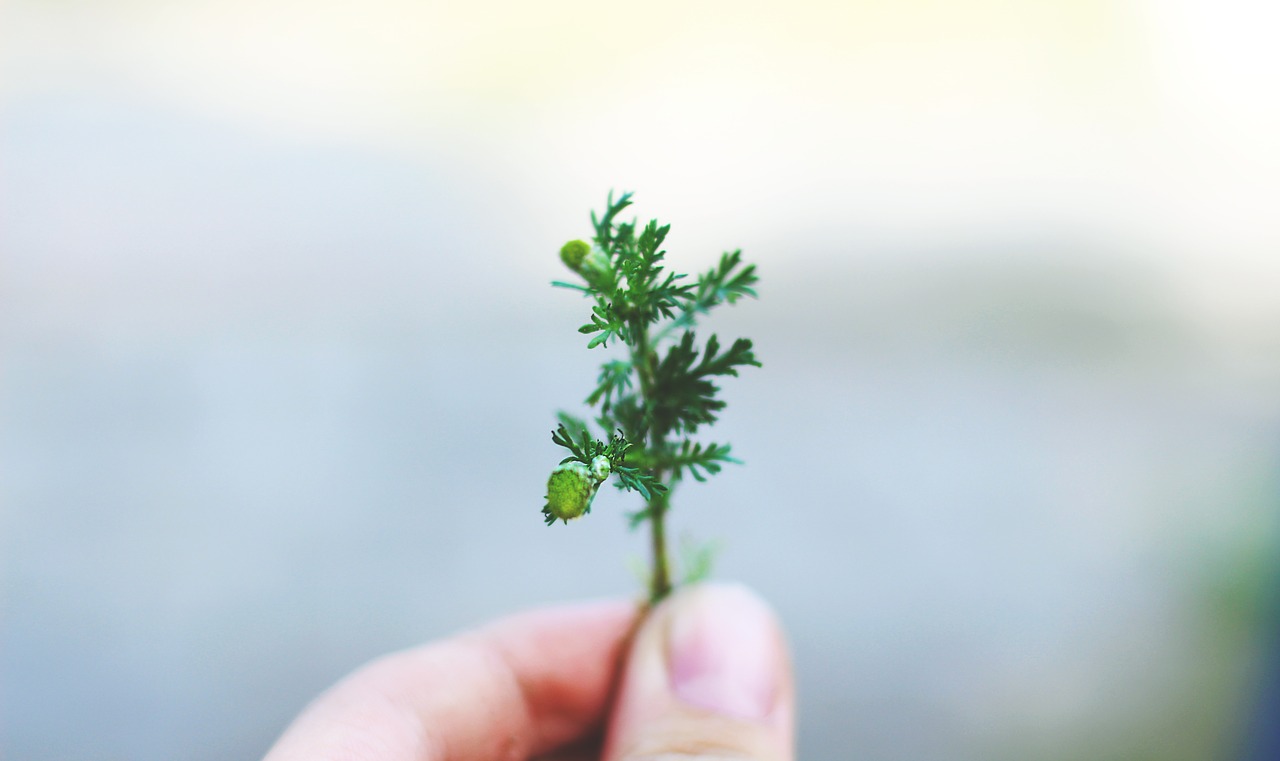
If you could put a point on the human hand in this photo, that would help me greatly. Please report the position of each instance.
(706, 676)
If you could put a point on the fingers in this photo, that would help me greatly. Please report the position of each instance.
(708, 677)
(515, 689)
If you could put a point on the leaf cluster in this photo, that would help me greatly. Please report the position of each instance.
(631, 286)
(633, 292)
(700, 460)
(684, 395)
(585, 449)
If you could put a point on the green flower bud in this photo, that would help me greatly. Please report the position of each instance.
(591, 263)
(573, 252)
(569, 491)
(571, 488)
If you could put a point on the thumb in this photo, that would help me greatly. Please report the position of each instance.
(708, 677)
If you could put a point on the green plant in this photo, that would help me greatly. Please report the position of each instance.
(651, 403)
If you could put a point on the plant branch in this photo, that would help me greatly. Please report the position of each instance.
(650, 405)
(644, 361)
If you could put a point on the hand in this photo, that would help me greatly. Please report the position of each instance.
(706, 676)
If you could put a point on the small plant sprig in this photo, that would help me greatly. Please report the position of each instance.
(652, 402)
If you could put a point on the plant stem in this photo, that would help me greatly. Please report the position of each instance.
(643, 359)
(660, 582)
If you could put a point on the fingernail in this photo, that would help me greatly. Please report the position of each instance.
(724, 653)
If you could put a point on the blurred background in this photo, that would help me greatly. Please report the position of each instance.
(279, 358)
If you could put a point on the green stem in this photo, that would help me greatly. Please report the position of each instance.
(643, 360)
(660, 582)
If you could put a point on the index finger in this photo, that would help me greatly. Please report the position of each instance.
(517, 688)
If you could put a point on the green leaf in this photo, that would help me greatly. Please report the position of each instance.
(563, 437)
(684, 396)
(637, 518)
(699, 460)
(605, 235)
(615, 378)
(574, 426)
(697, 559)
(633, 479)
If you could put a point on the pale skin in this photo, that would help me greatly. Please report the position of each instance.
(704, 675)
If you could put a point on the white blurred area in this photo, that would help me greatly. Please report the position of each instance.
(279, 358)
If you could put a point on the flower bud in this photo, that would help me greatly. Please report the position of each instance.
(572, 486)
(591, 263)
(569, 491)
(573, 252)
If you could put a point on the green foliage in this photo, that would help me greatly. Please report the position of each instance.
(700, 460)
(697, 559)
(614, 380)
(585, 449)
(657, 397)
(684, 396)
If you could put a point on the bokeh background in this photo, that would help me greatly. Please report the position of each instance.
(280, 358)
